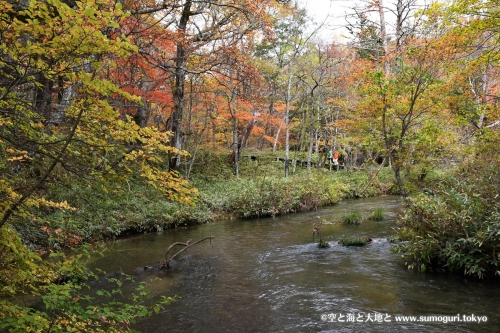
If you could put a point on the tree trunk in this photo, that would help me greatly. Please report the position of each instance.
(278, 135)
(236, 150)
(178, 89)
(244, 137)
(142, 116)
(316, 147)
(336, 131)
(287, 123)
(248, 130)
(67, 95)
(310, 149)
(399, 23)
(383, 33)
(397, 173)
(197, 145)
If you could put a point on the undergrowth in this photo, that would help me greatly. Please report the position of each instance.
(456, 225)
(110, 209)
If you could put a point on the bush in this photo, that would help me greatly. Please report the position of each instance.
(263, 191)
(457, 227)
(105, 211)
(62, 288)
(108, 209)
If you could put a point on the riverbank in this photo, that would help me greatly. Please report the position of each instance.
(103, 211)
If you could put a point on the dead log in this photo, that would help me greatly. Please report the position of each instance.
(186, 245)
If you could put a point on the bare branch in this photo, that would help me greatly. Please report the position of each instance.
(186, 245)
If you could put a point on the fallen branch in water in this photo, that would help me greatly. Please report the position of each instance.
(317, 231)
(186, 245)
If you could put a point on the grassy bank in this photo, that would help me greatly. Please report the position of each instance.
(272, 194)
(104, 211)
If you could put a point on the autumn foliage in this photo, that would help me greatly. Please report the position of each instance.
(103, 100)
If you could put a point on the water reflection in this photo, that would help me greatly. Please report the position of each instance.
(268, 276)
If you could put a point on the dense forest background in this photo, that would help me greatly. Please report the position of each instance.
(120, 116)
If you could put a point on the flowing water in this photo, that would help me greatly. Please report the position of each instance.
(267, 275)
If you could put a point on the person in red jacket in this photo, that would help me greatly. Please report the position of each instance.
(335, 158)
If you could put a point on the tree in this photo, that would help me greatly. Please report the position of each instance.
(290, 45)
(56, 115)
(375, 36)
(397, 106)
(367, 41)
(57, 123)
(471, 28)
(456, 227)
(200, 31)
(317, 68)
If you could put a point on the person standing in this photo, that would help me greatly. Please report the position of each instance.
(335, 157)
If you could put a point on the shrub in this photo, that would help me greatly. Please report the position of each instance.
(62, 287)
(104, 211)
(392, 239)
(456, 228)
(107, 209)
(266, 196)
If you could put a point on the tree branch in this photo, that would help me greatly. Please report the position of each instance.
(186, 245)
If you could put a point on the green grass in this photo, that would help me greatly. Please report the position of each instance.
(353, 217)
(377, 215)
(348, 241)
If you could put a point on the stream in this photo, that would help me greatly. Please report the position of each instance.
(267, 275)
